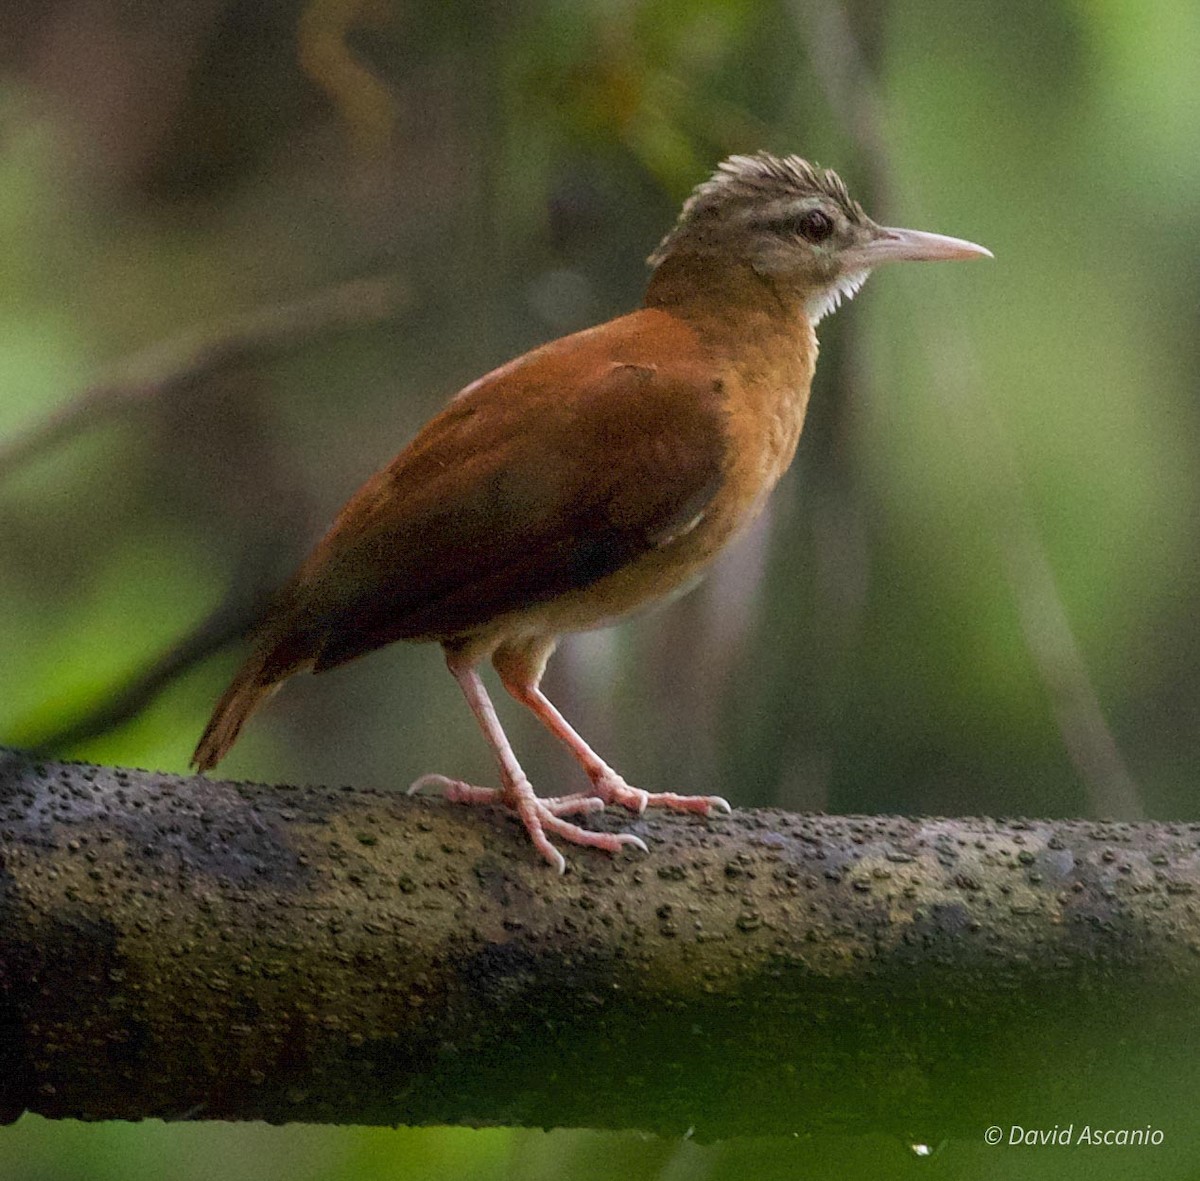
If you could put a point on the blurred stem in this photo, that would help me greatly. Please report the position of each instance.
(231, 620)
(188, 949)
(199, 353)
(364, 102)
(850, 84)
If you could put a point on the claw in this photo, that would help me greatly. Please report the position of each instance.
(454, 790)
(611, 788)
(610, 842)
(430, 780)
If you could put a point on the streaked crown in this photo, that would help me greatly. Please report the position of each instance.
(756, 192)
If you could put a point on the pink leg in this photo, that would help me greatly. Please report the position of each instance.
(538, 816)
(609, 786)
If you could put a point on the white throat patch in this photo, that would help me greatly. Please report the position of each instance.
(829, 300)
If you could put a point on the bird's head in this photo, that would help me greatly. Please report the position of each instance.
(796, 225)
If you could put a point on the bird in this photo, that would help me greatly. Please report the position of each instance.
(588, 478)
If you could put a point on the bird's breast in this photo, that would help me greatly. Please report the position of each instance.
(766, 401)
(765, 397)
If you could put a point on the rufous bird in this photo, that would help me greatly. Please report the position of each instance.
(590, 477)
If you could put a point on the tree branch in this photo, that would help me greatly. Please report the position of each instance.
(181, 948)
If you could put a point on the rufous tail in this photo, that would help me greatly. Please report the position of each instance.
(248, 690)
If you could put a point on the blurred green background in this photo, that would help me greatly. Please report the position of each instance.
(975, 592)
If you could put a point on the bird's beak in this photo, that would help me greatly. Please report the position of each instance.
(894, 245)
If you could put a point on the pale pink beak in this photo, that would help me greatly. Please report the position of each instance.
(894, 245)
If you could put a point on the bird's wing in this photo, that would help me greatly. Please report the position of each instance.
(518, 492)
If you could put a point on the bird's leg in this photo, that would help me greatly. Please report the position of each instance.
(539, 816)
(521, 676)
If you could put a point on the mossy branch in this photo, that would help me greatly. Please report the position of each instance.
(190, 949)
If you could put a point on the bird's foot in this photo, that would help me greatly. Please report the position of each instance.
(612, 789)
(540, 816)
(457, 792)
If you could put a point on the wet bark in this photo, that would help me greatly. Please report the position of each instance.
(191, 949)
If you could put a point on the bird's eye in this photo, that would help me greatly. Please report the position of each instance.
(814, 226)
